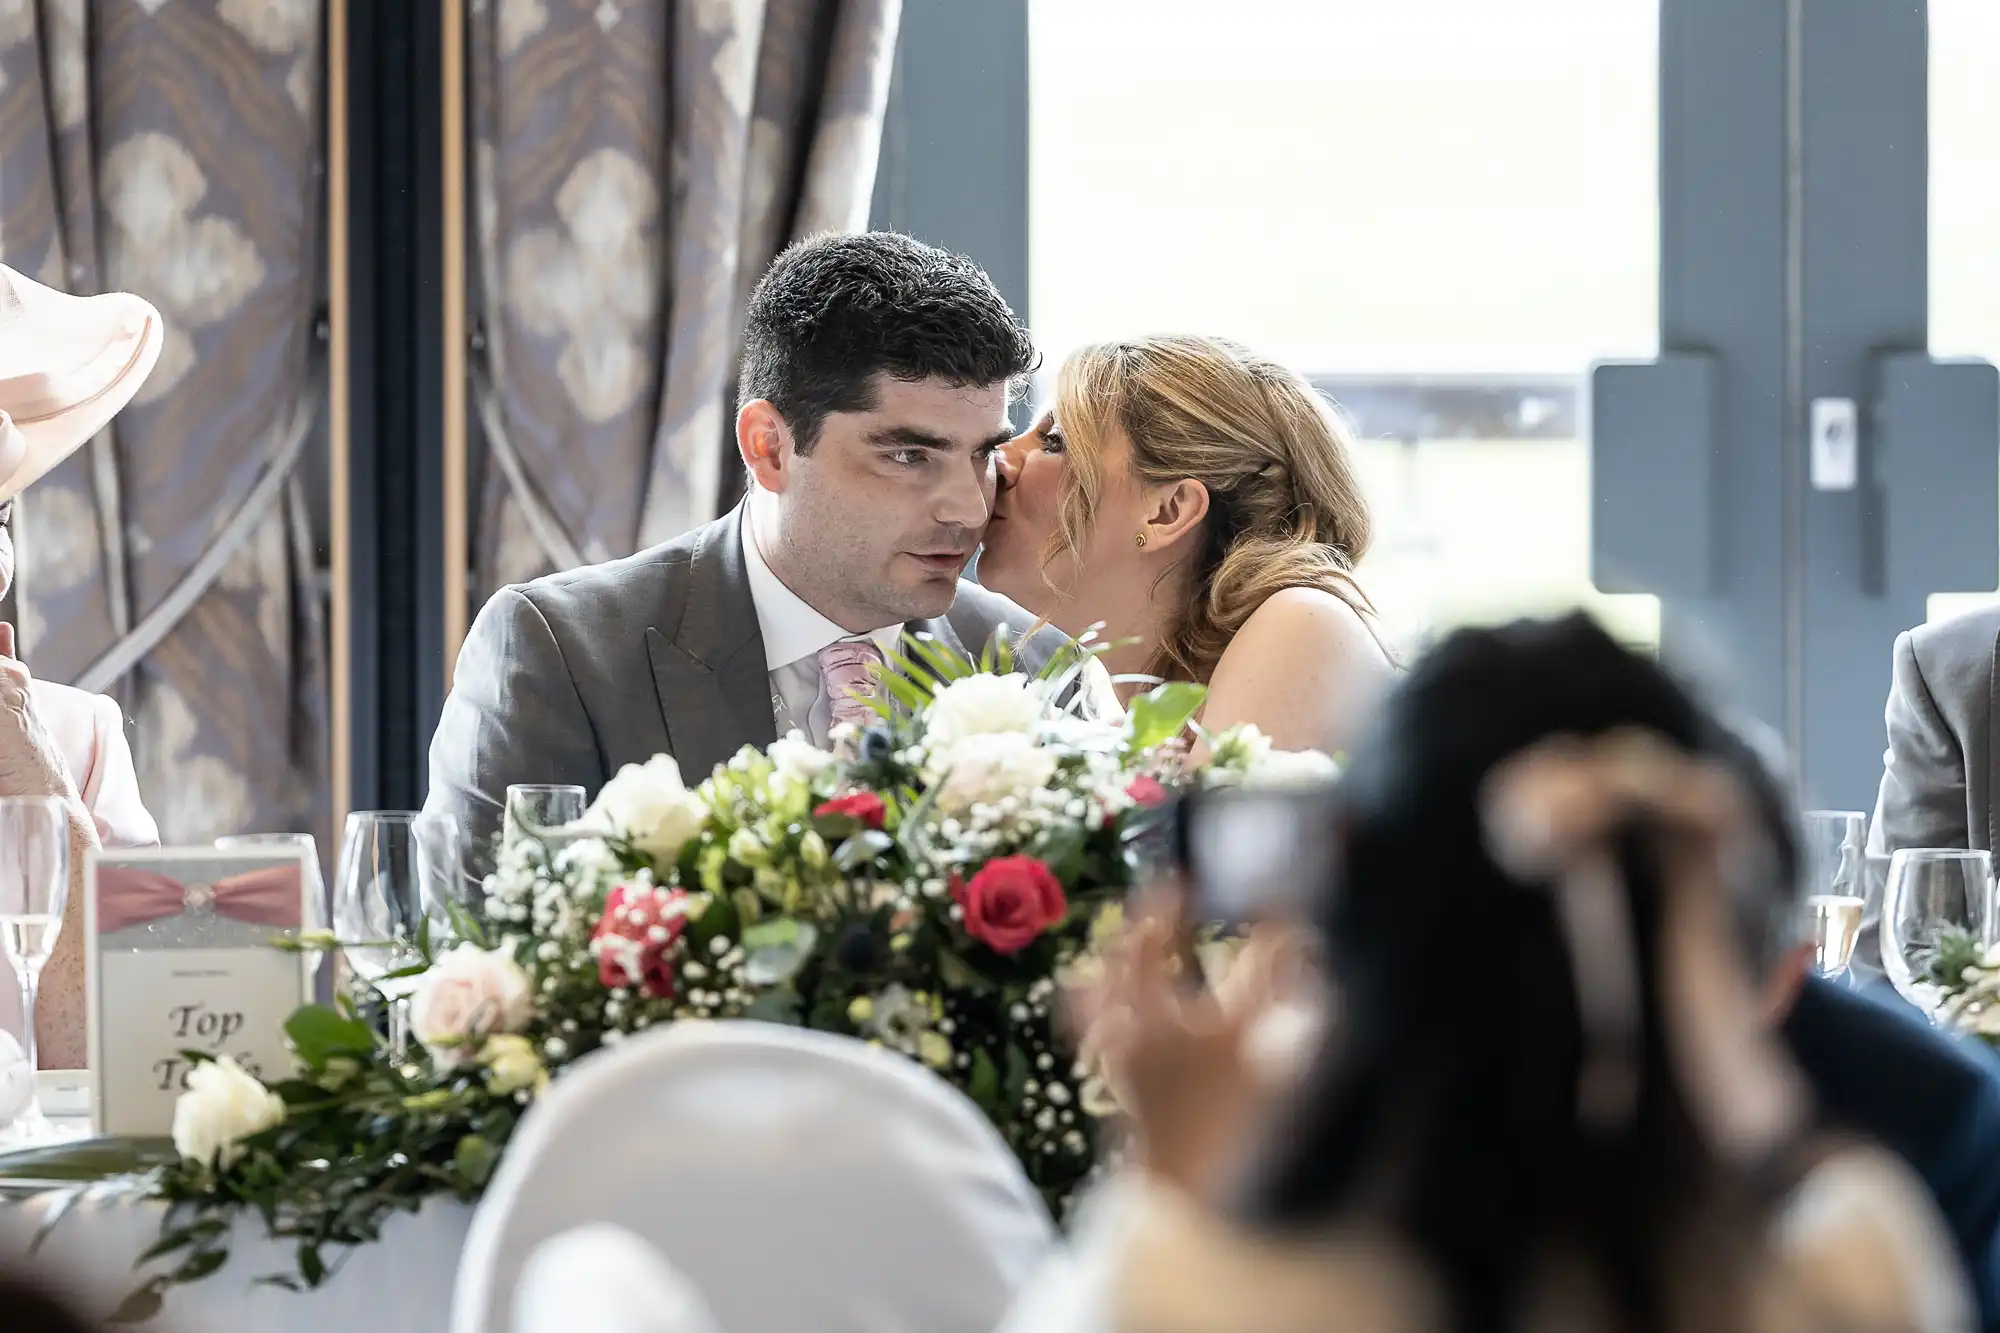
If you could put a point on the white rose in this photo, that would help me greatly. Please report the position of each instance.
(798, 759)
(1290, 768)
(981, 705)
(650, 807)
(222, 1106)
(469, 995)
(985, 769)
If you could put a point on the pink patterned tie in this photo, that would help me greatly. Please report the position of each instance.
(845, 668)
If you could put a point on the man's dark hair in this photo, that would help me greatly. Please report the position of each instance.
(834, 310)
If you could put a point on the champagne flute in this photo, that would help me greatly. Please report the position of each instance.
(316, 915)
(34, 890)
(379, 903)
(1931, 891)
(1835, 892)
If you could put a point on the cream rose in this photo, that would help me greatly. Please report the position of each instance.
(469, 995)
(649, 806)
(984, 769)
(223, 1106)
(981, 706)
(798, 759)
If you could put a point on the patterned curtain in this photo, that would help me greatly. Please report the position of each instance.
(172, 148)
(637, 165)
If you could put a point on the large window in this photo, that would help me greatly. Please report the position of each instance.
(1441, 210)
(1964, 198)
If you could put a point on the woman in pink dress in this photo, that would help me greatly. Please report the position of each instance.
(67, 365)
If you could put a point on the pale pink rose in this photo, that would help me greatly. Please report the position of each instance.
(468, 996)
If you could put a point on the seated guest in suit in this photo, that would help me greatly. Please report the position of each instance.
(67, 365)
(1549, 1100)
(1938, 776)
(877, 373)
(1877, 1067)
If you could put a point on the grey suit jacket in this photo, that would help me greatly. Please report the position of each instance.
(1938, 778)
(571, 677)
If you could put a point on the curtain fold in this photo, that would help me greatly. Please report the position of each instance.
(173, 148)
(636, 167)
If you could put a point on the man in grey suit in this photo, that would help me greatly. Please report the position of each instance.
(1938, 777)
(877, 373)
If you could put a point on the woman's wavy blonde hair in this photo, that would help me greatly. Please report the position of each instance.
(1284, 510)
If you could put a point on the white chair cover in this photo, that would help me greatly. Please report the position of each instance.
(804, 1183)
(605, 1279)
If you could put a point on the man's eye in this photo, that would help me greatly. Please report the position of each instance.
(908, 457)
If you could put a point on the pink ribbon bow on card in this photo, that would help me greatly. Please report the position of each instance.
(131, 897)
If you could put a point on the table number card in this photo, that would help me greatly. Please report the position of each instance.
(179, 958)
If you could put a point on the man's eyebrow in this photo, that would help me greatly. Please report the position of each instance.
(908, 436)
(911, 437)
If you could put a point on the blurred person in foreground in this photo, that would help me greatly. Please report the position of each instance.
(67, 365)
(1549, 1100)
(1877, 1066)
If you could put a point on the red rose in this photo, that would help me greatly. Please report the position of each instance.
(1146, 791)
(863, 806)
(1010, 902)
(635, 936)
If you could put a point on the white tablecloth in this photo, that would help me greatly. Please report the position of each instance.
(400, 1285)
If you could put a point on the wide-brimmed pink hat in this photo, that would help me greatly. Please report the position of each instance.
(67, 365)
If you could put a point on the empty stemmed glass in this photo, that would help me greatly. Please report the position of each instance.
(1932, 892)
(34, 890)
(398, 869)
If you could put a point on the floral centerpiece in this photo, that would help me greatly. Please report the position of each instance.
(928, 887)
(1965, 976)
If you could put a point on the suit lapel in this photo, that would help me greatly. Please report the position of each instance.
(708, 659)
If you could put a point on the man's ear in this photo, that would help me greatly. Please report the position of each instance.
(1173, 512)
(765, 442)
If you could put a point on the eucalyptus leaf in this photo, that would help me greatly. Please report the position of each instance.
(318, 1034)
(200, 1264)
(775, 960)
(142, 1304)
(984, 1086)
(1162, 713)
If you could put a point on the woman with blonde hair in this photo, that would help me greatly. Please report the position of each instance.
(1199, 502)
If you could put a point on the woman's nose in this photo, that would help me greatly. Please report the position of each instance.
(1012, 454)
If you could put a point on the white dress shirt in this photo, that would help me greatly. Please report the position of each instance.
(793, 634)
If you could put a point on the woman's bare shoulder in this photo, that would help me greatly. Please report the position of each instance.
(1308, 623)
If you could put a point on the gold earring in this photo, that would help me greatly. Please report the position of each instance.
(1140, 540)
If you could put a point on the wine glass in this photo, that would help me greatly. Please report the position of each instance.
(397, 868)
(1931, 891)
(34, 890)
(534, 810)
(315, 884)
(1835, 841)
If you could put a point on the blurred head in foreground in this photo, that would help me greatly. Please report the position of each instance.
(1550, 1056)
